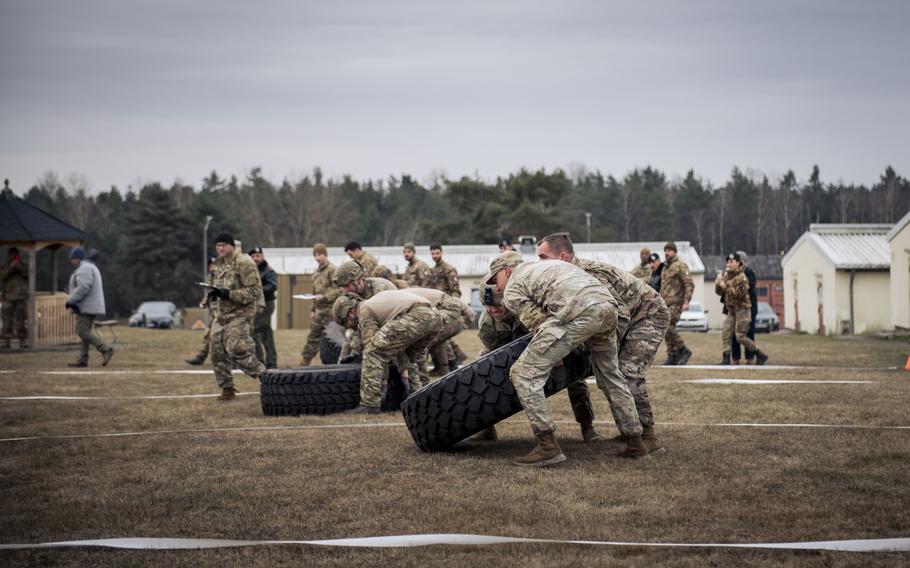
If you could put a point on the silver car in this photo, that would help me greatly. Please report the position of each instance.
(693, 319)
(766, 320)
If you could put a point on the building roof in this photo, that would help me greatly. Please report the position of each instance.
(848, 247)
(22, 222)
(898, 227)
(766, 266)
(472, 260)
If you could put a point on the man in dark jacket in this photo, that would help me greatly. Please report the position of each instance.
(262, 323)
(657, 268)
(753, 297)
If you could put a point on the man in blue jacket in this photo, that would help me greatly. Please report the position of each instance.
(86, 299)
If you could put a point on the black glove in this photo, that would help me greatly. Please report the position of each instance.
(217, 293)
(72, 306)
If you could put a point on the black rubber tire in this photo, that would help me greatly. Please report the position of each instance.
(477, 396)
(330, 344)
(320, 389)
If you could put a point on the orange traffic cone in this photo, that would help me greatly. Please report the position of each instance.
(907, 366)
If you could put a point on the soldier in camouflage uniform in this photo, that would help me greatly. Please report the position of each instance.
(445, 278)
(676, 288)
(395, 325)
(326, 291)
(643, 270)
(356, 252)
(350, 278)
(386, 273)
(733, 288)
(564, 307)
(14, 295)
(456, 317)
(643, 321)
(235, 299)
(497, 327)
(417, 274)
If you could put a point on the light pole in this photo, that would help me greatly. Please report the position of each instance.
(588, 222)
(205, 248)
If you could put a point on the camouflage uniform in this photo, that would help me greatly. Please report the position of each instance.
(566, 307)
(642, 323)
(734, 288)
(495, 332)
(445, 278)
(642, 271)
(385, 273)
(395, 325)
(370, 264)
(231, 339)
(417, 274)
(323, 285)
(455, 317)
(345, 274)
(676, 287)
(14, 295)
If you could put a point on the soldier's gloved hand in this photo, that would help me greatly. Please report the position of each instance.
(212, 295)
(223, 293)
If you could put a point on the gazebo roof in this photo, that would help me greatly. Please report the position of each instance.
(22, 222)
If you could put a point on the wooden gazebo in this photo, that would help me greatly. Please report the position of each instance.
(31, 230)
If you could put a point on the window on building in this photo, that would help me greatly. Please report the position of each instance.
(761, 291)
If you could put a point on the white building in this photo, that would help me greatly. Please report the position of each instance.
(836, 278)
(473, 261)
(899, 245)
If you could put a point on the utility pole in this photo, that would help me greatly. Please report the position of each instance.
(588, 221)
(205, 248)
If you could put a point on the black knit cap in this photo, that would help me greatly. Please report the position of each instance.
(255, 250)
(225, 238)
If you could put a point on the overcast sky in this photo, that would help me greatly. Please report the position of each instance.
(125, 92)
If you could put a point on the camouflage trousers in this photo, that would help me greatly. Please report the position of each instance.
(596, 328)
(232, 347)
(637, 348)
(85, 329)
(321, 318)
(14, 316)
(453, 323)
(206, 344)
(737, 323)
(403, 339)
(675, 343)
(264, 337)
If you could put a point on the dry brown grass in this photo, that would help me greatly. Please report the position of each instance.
(715, 485)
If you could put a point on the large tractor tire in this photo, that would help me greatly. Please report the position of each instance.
(330, 344)
(477, 396)
(320, 389)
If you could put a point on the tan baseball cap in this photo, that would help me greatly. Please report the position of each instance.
(348, 272)
(505, 260)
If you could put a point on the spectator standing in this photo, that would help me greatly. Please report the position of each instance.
(86, 300)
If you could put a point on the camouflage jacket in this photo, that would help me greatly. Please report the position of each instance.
(417, 274)
(324, 285)
(546, 289)
(375, 286)
(14, 282)
(627, 290)
(238, 273)
(734, 291)
(494, 333)
(676, 285)
(445, 278)
(642, 271)
(383, 308)
(369, 264)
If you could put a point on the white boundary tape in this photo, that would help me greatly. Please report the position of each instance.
(768, 382)
(402, 541)
(401, 424)
(770, 368)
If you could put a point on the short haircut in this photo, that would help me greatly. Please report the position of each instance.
(559, 242)
(353, 245)
(436, 246)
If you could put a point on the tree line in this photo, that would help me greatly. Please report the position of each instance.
(150, 237)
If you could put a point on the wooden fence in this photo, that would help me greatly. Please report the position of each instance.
(56, 324)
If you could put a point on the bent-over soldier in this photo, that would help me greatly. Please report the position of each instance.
(456, 316)
(350, 278)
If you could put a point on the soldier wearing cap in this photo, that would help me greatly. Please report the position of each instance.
(203, 353)
(657, 269)
(676, 288)
(351, 278)
(564, 307)
(235, 299)
(263, 336)
(505, 245)
(643, 321)
(643, 270)
(326, 291)
(417, 274)
(733, 288)
(356, 252)
(395, 325)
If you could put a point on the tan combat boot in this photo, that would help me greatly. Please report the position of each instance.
(305, 362)
(546, 452)
(590, 435)
(635, 448)
(227, 394)
(650, 440)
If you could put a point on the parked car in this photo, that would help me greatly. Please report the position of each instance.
(161, 315)
(766, 320)
(693, 319)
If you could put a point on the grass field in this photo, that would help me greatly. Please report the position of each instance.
(305, 480)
